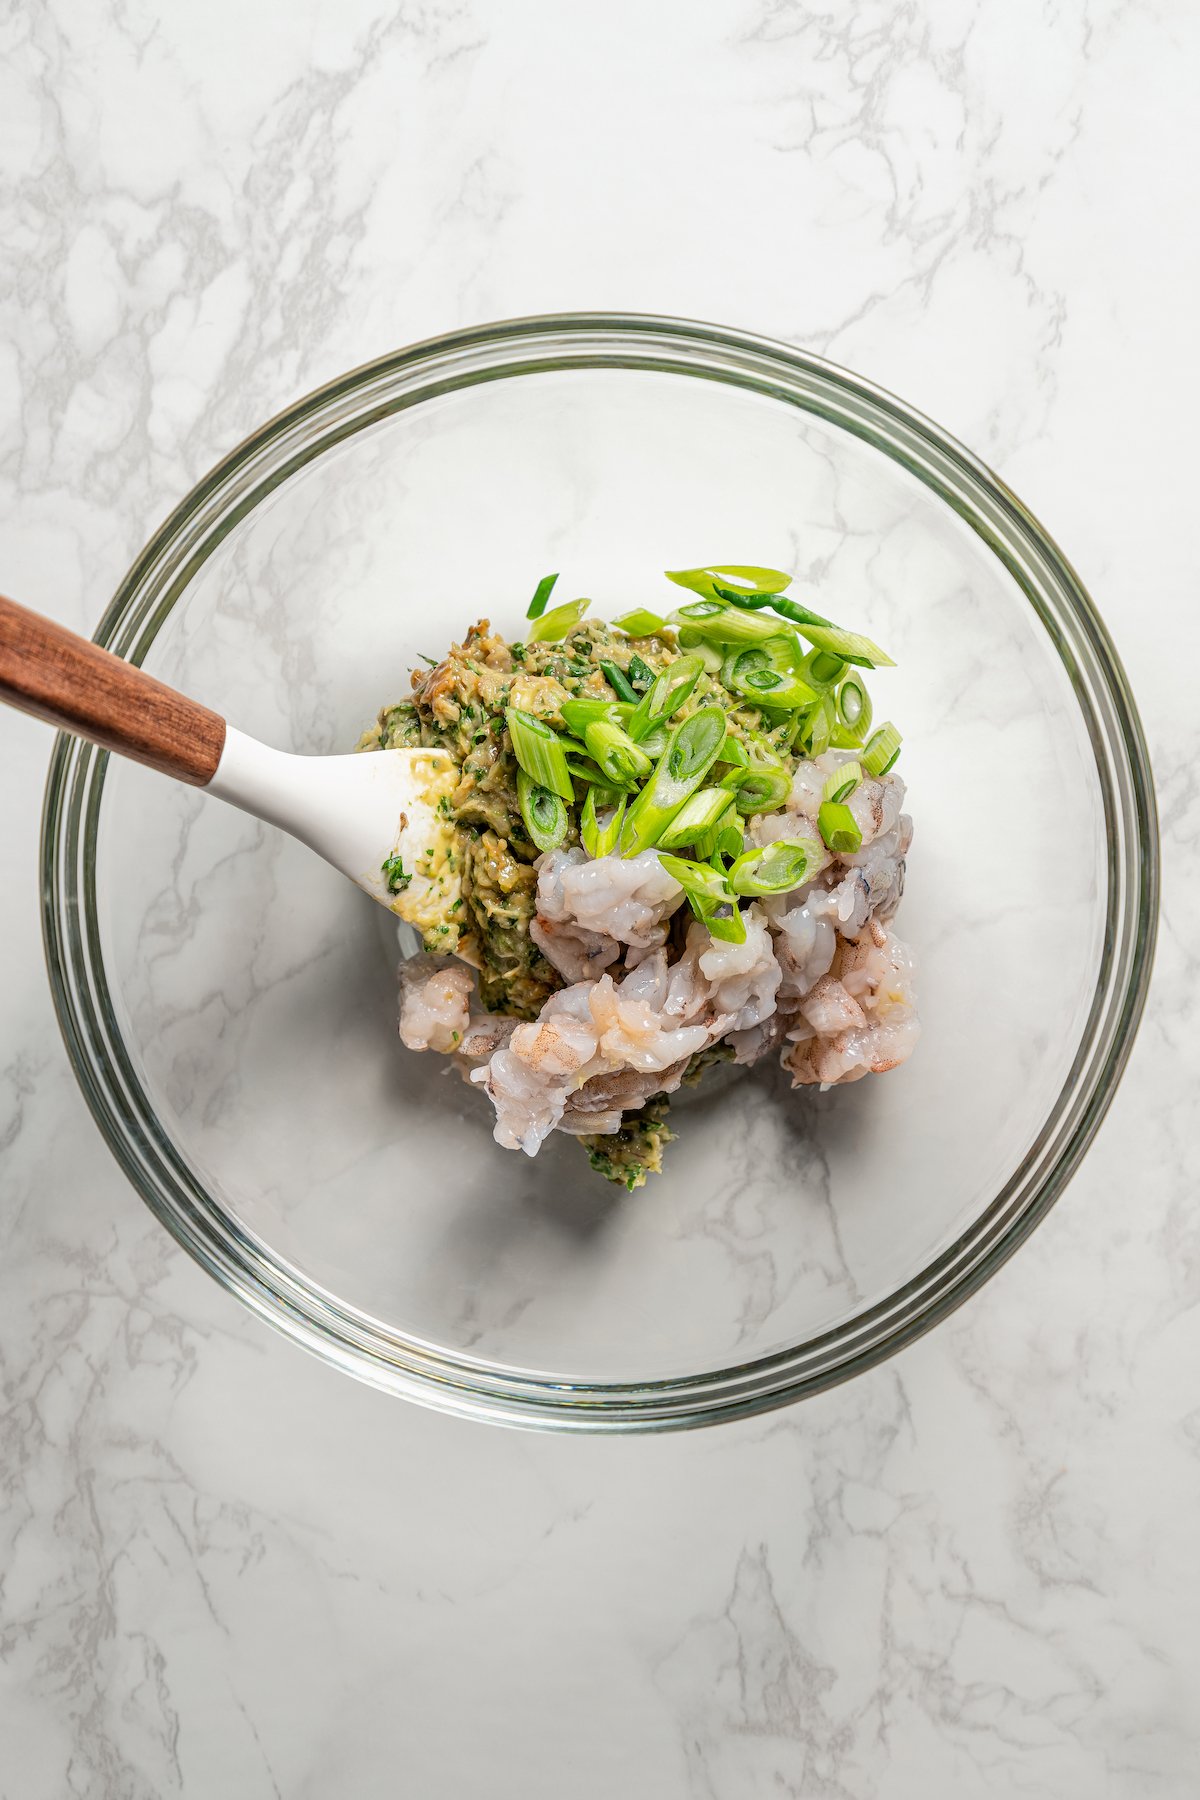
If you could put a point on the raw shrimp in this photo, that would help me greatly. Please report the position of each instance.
(592, 1029)
(528, 1105)
(744, 978)
(607, 1097)
(844, 891)
(805, 940)
(435, 1003)
(577, 951)
(633, 1035)
(586, 909)
(758, 1042)
(829, 1008)
(876, 980)
(485, 1034)
(528, 1079)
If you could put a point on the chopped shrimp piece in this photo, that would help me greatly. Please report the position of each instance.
(878, 979)
(744, 977)
(435, 1003)
(528, 1106)
(632, 1033)
(828, 1007)
(576, 951)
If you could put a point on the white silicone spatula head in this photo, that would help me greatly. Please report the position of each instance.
(375, 817)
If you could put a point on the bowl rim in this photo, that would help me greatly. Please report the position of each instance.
(415, 1368)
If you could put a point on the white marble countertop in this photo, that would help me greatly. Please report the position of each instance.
(226, 1569)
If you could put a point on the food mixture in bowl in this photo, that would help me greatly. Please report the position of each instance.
(663, 843)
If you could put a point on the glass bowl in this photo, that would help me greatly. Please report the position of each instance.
(229, 1002)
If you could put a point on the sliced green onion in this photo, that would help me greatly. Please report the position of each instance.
(640, 675)
(734, 751)
(883, 747)
(600, 840)
(799, 615)
(552, 627)
(738, 662)
(776, 718)
(541, 594)
(842, 783)
(823, 634)
(719, 623)
(755, 599)
(839, 828)
(745, 597)
(710, 656)
(851, 646)
(691, 750)
(639, 623)
(577, 715)
(726, 835)
(709, 897)
(727, 841)
(539, 752)
(723, 919)
(824, 668)
(544, 813)
(769, 674)
(745, 590)
(817, 728)
(758, 789)
(767, 681)
(654, 742)
(614, 751)
(763, 751)
(585, 770)
(752, 581)
(619, 682)
(696, 817)
(694, 745)
(791, 610)
(771, 688)
(698, 879)
(795, 726)
(853, 706)
(668, 692)
(782, 866)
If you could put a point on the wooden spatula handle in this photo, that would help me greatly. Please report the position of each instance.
(49, 671)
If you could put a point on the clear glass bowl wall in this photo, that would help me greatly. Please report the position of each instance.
(229, 1002)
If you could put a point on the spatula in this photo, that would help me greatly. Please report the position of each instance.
(360, 812)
